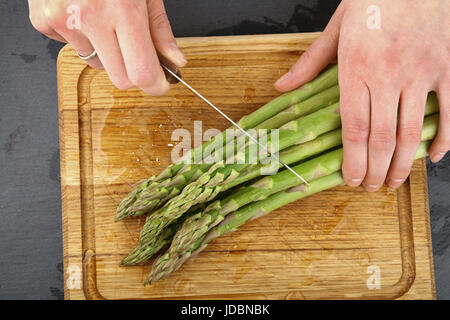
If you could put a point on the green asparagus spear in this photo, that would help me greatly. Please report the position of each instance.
(141, 254)
(322, 99)
(154, 195)
(324, 81)
(210, 184)
(168, 263)
(197, 225)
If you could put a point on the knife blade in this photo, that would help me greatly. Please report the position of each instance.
(173, 74)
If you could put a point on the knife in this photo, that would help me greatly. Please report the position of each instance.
(176, 77)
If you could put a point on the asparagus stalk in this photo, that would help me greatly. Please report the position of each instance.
(141, 254)
(211, 183)
(165, 265)
(324, 81)
(153, 195)
(176, 177)
(219, 176)
(197, 225)
(291, 155)
(258, 209)
(170, 262)
(322, 99)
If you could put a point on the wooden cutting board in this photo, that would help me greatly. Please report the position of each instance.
(341, 243)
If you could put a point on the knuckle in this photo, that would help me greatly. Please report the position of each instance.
(39, 24)
(56, 22)
(444, 113)
(409, 135)
(144, 77)
(160, 20)
(355, 62)
(129, 12)
(122, 83)
(351, 171)
(89, 16)
(306, 56)
(443, 143)
(127, 6)
(382, 141)
(55, 14)
(152, 81)
(391, 60)
(402, 172)
(355, 131)
(96, 65)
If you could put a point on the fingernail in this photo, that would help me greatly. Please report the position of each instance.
(437, 156)
(177, 56)
(283, 78)
(166, 85)
(395, 183)
(354, 182)
(371, 187)
(162, 90)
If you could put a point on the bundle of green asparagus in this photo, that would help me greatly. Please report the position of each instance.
(155, 191)
(186, 203)
(180, 252)
(252, 202)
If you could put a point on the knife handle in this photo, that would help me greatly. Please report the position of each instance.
(166, 62)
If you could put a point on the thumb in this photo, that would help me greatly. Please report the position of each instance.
(317, 57)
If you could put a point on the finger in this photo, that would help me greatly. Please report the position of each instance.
(72, 34)
(409, 129)
(42, 26)
(83, 46)
(162, 35)
(39, 21)
(355, 117)
(141, 60)
(383, 121)
(317, 57)
(52, 34)
(107, 47)
(441, 144)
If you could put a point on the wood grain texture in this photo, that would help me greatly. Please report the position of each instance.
(320, 247)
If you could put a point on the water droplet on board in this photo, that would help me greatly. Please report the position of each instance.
(248, 95)
(364, 259)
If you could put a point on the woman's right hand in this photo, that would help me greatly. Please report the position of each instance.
(127, 35)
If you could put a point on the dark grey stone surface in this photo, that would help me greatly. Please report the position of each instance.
(30, 206)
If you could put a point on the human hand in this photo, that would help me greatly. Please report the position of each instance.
(125, 34)
(384, 71)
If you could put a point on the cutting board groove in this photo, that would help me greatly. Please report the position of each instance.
(318, 248)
